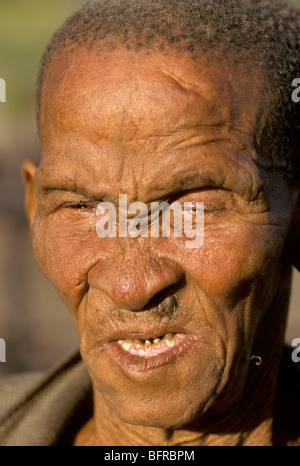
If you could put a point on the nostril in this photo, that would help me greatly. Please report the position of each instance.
(133, 285)
(165, 299)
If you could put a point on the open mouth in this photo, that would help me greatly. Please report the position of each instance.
(151, 347)
(140, 355)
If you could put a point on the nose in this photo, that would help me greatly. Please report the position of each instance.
(132, 282)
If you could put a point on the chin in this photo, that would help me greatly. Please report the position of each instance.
(163, 414)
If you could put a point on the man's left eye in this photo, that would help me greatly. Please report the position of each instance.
(81, 206)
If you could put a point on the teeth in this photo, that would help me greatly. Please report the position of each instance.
(138, 343)
(156, 342)
(126, 344)
(148, 345)
(169, 339)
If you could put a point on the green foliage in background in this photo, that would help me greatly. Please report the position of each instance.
(25, 29)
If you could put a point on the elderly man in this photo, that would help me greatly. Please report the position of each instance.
(175, 101)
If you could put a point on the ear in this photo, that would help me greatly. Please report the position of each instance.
(28, 172)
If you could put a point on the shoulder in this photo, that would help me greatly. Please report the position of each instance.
(36, 409)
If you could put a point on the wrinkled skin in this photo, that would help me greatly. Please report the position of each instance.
(162, 127)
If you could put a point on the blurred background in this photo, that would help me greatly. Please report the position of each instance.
(34, 323)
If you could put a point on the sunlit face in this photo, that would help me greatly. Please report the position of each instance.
(159, 128)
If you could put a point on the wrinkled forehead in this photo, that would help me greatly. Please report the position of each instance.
(136, 94)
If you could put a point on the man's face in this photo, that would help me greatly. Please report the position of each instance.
(159, 128)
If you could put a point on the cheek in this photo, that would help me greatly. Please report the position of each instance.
(231, 260)
(65, 254)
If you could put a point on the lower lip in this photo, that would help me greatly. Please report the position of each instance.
(141, 361)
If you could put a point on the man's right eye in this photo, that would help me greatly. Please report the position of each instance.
(80, 206)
